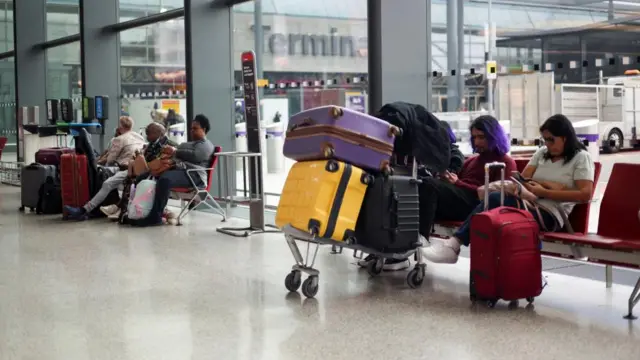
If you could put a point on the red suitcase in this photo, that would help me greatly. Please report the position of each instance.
(74, 180)
(506, 262)
(51, 156)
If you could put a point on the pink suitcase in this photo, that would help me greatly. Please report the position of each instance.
(346, 135)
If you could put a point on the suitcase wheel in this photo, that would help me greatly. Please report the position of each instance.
(374, 268)
(328, 152)
(332, 166)
(367, 179)
(394, 131)
(21, 208)
(335, 112)
(416, 277)
(310, 286)
(491, 303)
(531, 299)
(293, 281)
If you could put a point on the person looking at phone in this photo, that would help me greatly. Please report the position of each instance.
(195, 154)
(561, 175)
(451, 196)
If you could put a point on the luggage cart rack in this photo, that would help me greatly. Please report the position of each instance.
(293, 281)
(10, 172)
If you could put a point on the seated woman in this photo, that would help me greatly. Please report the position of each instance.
(560, 174)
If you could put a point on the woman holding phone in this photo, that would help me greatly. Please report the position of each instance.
(559, 175)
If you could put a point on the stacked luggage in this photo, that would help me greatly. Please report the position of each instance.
(342, 192)
(40, 189)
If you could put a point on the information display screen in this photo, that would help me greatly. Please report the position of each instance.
(66, 110)
(88, 110)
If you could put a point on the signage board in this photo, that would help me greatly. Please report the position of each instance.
(88, 110)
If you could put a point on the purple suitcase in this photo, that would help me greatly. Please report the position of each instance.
(346, 135)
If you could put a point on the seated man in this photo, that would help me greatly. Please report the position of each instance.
(154, 133)
(194, 154)
(453, 197)
(124, 146)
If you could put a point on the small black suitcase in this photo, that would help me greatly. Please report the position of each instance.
(389, 221)
(32, 177)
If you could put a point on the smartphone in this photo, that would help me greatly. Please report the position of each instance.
(516, 175)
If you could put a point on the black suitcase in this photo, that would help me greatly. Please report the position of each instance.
(32, 177)
(389, 220)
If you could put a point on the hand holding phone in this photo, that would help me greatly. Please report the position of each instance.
(516, 175)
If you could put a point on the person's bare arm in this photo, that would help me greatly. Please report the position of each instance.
(579, 195)
(528, 172)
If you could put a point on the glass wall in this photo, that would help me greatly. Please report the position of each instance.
(64, 76)
(312, 52)
(152, 71)
(8, 108)
(63, 18)
(133, 9)
(6, 26)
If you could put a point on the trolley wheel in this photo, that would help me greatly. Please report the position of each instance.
(310, 286)
(335, 112)
(394, 131)
(491, 303)
(374, 268)
(415, 277)
(531, 299)
(328, 152)
(293, 280)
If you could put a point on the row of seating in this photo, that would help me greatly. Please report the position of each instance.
(617, 241)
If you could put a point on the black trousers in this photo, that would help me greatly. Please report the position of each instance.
(441, 200)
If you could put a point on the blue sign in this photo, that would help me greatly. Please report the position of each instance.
(98, 105)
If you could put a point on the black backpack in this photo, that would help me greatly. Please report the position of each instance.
(49, 198)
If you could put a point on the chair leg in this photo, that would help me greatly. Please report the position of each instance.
(634, 298)
(216, 206)
(608, 276)
(185, 209)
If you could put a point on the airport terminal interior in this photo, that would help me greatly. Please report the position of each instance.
(188, 289)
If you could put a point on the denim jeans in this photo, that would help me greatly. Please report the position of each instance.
(463, 232)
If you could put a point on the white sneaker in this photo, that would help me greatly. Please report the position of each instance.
(114, 216)
(109, 209)
(445, 252)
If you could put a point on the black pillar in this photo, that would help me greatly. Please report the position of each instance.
(399, 50)
(209, 67)
(99, 51)
(29, 26)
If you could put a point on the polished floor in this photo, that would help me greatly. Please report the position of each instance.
(95, 290)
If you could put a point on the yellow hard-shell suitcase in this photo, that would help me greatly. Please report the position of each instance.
(323, 197)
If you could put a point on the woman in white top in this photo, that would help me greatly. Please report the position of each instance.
(560, 174)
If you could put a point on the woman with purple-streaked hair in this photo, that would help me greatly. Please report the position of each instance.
(451, 196)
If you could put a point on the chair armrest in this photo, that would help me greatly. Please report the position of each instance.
(193, 184)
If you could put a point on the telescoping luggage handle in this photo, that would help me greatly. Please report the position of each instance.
(487, 171)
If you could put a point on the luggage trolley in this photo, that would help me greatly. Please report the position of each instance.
(293, 281)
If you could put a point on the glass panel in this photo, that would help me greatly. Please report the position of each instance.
(8, 110)
(64, 76)
(6, 26)
(152, 71)
(323, 43)
(133, 9)
(63, 18)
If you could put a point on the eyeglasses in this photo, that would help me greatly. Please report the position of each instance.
(549, 140)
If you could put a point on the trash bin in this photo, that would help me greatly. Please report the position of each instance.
(587, 131)
(241, 142)
(275, 144)
(177, 133)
